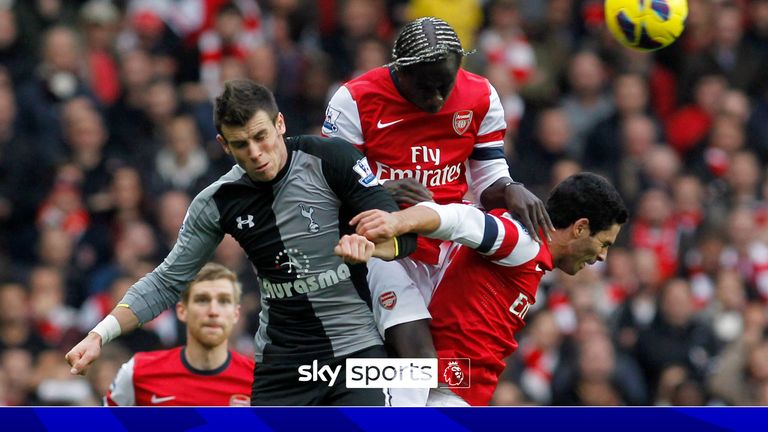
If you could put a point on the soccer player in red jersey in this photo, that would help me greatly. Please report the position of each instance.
(204, 371)
(430, 131)
(490, 276)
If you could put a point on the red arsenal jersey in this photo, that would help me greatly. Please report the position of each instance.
(166, 378)
(482, 297)
(401, 140)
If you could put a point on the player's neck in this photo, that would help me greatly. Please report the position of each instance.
(202, 358)
(558, 245)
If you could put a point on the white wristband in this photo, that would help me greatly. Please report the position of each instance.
(108, 329)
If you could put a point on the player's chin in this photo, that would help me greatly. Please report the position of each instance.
(212, 341)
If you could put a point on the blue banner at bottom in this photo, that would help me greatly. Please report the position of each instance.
(384, 419)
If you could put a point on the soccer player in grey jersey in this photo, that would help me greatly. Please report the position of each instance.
(287, 202)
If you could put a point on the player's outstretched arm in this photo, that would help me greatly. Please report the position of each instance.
(378, 225)
(358, 249)
(120, 320)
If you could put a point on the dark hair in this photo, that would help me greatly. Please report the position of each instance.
(240, 101)
(425, 40)
(586, 195)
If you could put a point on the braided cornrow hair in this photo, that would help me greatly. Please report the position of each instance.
(425, 40)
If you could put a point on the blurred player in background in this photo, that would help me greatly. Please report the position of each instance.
(491, 275)
(286, 202)
(204, 371)
(426, 125)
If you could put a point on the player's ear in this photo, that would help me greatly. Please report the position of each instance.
(237, 313)
(181, 312)
(581, 228)
(220, 139)
(280, 124)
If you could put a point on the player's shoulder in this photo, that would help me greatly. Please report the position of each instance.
(235, 174)
(368, 82)
(326, 148)
(242, 361)
(145, 358)
(473, 80)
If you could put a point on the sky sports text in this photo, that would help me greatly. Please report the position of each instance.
(391, 373)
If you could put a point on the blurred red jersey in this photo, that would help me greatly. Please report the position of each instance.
(166, 378)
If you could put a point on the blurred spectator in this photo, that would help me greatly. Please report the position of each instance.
(508, 394)
(16, 330)
(504, 43)
(726, 311)
(742, 370)
(13, 49)
(18, 366)
(728, 53)
(689, 124)
(746, 253)
(229, 37)
(51, 316)
(59, 77)
(537, 358)
(552, 40)
(599, 375)
(101, 20)
(654, 228)
(585, 104)
(169, 216)
(181, 163)
(24, 178)
(603, 142)
(638, 312)
(676, 336)
(359, 21)
(534, 160)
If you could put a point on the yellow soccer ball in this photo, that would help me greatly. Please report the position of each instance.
(646, 25)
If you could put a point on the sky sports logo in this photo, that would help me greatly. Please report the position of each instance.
(391, 373)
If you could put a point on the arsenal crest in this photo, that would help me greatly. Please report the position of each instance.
(461, 121)
(388, 300)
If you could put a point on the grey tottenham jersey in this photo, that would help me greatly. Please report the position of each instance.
(313, 306)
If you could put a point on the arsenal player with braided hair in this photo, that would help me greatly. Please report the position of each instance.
(431, 131)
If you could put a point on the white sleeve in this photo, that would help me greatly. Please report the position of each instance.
(506, 241)
(494, 119)
(121, 391)
(342, 120)
(488, 163)
(483, 173)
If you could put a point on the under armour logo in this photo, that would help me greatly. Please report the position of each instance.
(243, 221)
(307, 213)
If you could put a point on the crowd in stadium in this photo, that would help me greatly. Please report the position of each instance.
(106, 134)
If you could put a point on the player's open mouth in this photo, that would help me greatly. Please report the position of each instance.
(262, 167)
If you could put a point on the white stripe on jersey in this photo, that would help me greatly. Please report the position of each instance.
(525, 250)
(121, 391)
(494, 120)
(466, 225)
(342, 120)
(483, 173)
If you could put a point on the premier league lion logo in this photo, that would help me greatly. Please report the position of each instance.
(453, 375)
